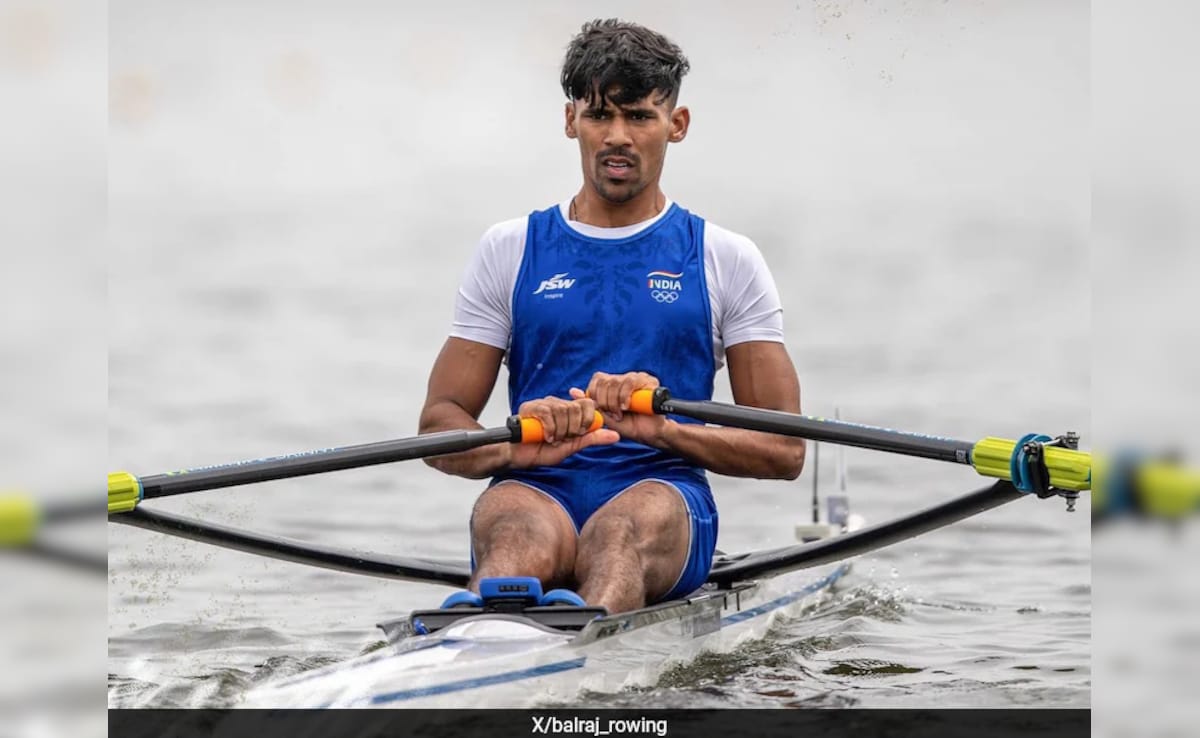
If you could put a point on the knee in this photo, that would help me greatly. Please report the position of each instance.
(513, 531)
(645, 514)
(520, 541)
(609, 530)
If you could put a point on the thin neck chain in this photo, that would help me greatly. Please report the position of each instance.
(572, 211)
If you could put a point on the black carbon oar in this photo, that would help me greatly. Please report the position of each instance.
(836, 548)
(453, 573)
(1067, 468)
(125, 490)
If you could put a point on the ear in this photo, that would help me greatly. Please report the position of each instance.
(681, 118)
(569, 111)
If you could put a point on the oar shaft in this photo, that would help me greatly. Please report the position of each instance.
(313, 554)
(837, 548)
(318, 461)
(125, 490)
(1068, 468)
(822, 429)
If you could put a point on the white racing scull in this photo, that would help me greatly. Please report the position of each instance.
(517, 660)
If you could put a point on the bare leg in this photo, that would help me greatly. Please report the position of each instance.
(634, 548)
(519, 532)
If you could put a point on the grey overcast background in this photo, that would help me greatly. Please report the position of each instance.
(260, 147)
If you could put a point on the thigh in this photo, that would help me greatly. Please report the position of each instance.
(518, 515)
(702, 510)
(652, 517)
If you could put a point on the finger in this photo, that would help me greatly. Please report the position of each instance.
(585, 405)
(545, 413)
(555, 455)
(629, 383)
(610, 391)
(565, 420)
(612, 395)
(589, 409)
(603, 401)
(588, 406)
(573, 414)
(647, 381)
(593, 389)
(547, 421)
(622, 390)
(529, 409)
(571, 418)
(602, 437)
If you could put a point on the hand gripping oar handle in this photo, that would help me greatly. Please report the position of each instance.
(125, 490)
(1067, 468)
(533, 432)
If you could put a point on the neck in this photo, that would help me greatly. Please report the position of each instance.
(594, 210)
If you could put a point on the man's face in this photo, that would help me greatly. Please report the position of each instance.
(623, 146)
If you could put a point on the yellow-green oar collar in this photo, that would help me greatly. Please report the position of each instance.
(124, 492)
(19, 519)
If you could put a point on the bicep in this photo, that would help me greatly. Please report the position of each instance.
(464, 374)
(483, 307)
(761, 374)
(745, 299)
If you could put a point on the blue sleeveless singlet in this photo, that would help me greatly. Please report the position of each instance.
(581, 305)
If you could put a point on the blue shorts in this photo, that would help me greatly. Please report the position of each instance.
(582, 499)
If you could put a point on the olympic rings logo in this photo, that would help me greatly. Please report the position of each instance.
(664, 296)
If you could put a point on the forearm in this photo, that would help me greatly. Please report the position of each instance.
(475, 464)
(735, 452)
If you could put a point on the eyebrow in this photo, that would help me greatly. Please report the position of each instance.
(627, 109)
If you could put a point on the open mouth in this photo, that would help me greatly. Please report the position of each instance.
(617, 167)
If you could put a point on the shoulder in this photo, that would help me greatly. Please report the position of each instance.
(730, 251)
(498, 255)
(501, 247)
(726, 242)
(506, 232)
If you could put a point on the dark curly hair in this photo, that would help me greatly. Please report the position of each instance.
(621, 62)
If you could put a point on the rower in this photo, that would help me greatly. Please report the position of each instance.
(604, 293)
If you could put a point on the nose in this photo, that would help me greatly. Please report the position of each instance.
(617, 134)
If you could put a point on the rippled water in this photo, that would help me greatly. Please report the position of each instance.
(287, 235)
(865, 645)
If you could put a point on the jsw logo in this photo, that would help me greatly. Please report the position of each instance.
(557, 282)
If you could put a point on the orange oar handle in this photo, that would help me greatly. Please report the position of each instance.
(533, 432)
(642, 402)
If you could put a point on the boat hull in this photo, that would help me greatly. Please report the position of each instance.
(510, 661)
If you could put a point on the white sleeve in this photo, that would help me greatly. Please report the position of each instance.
(745, 302)
(483, 308)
